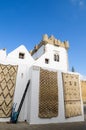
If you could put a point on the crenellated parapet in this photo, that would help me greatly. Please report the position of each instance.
(50, 40)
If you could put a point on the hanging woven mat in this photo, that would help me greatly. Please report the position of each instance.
(72, 99)
(48, 95)
(7, 87)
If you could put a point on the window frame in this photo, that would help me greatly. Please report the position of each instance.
(56, 57)
(21, 55)
(46, 61)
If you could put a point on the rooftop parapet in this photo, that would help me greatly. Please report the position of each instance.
(50, 40)
(54, 41)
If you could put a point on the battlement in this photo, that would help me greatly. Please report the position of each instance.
(50, 40)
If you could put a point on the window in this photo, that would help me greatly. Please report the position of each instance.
(46, 61)
(21, 55)
(56, 57)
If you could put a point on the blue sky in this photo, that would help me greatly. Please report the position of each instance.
(25, 21)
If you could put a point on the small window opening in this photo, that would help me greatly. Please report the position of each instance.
(21, 55)
(56, 57)
(47, 61)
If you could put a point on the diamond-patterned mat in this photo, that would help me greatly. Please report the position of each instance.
(7, 86)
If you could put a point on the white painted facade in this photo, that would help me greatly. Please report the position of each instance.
(22, 77)
(2, 54)
(48, 52)
(34, 100)
(28, 68)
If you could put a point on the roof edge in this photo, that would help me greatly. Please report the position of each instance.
(50, 40)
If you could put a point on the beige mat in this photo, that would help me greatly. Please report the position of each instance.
(83, 88)
(48, 96)
(7, 86)
(72, 99)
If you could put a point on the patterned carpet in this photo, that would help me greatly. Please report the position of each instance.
(48, 96)
(72, 99)
(7, 86)
(83, 88)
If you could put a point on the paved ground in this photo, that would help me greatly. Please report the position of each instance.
(25, 126)
(62, 126)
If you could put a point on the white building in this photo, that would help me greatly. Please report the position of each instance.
(51, 53)
(51, 56)
(23, 59)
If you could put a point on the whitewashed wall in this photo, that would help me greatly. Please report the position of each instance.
(49, 54)
(2, 54)
(25, 71)
(22, 77)
(34, 101)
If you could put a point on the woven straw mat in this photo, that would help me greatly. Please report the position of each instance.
(48, 95)
(72, 99)
(7, 86)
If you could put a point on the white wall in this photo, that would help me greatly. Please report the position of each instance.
(34, 104)
(2, 54)
(21, 79)
(49, 54)
(14, 55)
